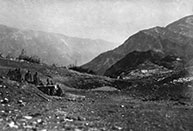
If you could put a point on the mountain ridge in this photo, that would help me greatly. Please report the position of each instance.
(156, 38)
(132, 60)
(52, 48)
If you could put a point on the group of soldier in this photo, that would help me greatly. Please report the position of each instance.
(16, 75)
(50, 88)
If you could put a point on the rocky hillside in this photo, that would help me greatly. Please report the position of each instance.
(183, 26)
(174, 39)
(148, 59)
(50, 47)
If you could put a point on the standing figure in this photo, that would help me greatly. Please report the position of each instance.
(35, 79)
(58, 91)
(28, 76)
(51, 82)
(48, 82)
(10, 74)
(19, 75)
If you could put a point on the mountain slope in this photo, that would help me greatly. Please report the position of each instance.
(132, 61)
(165, 40)
(50, 47)
(183, 26)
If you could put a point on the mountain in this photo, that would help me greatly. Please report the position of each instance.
(50, 47)
(131, 61)
(143, 60)
(174, 39)
(183, 26)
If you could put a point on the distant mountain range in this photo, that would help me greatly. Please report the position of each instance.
(175, 39)
(51, 47)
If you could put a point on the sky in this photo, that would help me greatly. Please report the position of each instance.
(111, 20)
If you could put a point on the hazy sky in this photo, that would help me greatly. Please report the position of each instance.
(112, 20)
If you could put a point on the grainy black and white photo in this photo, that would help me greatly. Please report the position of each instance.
(96, 65)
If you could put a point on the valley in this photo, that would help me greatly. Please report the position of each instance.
(149, 103)
(144, 84)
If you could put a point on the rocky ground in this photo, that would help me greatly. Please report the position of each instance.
(145, 104)
(93, 111)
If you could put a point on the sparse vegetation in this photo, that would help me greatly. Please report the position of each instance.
(137, 105)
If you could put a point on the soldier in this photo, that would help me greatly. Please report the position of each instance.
(58, 91)
(48, 82)
(16, 75)
(51, 88)
(19, 75)
(51, 82)
(9, 74)
(35, 78)
(28, 76)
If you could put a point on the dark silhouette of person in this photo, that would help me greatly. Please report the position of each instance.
(10, 74)
(51, 90)
(58, 91)
(35, 78)
(19, 75)
(28, 76)
(51, 82)
(15, 75)
(48, 82)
